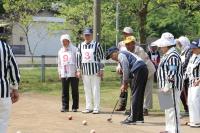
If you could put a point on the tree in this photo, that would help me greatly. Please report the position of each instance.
(2, 11)
(180, 18)
(20, 13)
(140, 9)
(79, 15)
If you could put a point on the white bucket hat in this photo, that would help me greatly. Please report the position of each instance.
(167, 39)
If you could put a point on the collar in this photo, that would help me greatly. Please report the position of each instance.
(84, 43)
(170, 50)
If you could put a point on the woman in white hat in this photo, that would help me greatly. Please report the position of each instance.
(170, 81)
(67, 73)
(186, 52)
(193, 72)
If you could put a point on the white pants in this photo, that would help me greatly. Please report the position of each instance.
(194, 104)
(148, 103)
(170, 116)
(92, 89)
(5, 108)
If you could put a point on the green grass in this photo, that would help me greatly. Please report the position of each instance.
(31, 82)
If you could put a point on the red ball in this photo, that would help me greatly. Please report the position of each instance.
(70, 117)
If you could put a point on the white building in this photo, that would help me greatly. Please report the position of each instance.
(42, 40)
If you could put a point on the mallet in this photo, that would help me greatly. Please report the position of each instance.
(110, 119)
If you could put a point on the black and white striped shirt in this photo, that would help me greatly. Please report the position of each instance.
(9, 70)
(193, 69)
(89, 58)
(170, 69)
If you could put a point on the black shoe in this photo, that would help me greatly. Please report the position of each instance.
(128, 121)
(64, 110)
(74, 110)
(140, 121)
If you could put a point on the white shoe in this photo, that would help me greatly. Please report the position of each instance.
(87, 111)
(194, 124)
(95, 112)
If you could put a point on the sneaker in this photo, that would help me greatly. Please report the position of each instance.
(128, 122)
(145, 112)
(87, 111)
(194, 125)
(140, 122)
(74, 110)
(95, 112)
(64, 110)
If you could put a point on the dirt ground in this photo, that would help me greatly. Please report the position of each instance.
(36, 113)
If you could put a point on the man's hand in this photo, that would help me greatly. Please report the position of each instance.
(14, 96)
(100, 74)
(124, 87)
(78, 74)
(119, 70)
(196, 83)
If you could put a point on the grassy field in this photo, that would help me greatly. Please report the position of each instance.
(30, 82)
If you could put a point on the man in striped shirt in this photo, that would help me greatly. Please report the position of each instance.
(170, 76)
(89, 61)
(193, 73)
(9, 81)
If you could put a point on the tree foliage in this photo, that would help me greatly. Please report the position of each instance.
(148, 18)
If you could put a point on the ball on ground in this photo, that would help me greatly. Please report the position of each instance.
(18, 131)
(70, 117)
(92, 131)
(84, 122)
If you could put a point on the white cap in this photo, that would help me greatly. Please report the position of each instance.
(184, 41)
(167, 39)
(128, 30)
(63, 37)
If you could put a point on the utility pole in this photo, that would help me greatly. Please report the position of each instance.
(117, 22)
(97, 20)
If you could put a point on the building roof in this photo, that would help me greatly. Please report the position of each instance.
(48, 19)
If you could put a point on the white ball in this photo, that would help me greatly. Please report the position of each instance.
(84, 122)
(92, 131)
(18, 131)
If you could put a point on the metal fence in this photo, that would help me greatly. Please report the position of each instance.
(42, 62)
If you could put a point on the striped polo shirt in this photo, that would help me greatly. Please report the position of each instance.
(193, 69)
(89, 58)
(9, 74)
(170, 69)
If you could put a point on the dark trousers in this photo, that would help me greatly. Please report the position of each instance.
(184, 94)
(65, 92)
(138, 84)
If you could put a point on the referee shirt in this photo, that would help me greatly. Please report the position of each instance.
(89, 58)
(9, 75)
(193, 69)
(170, 69)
